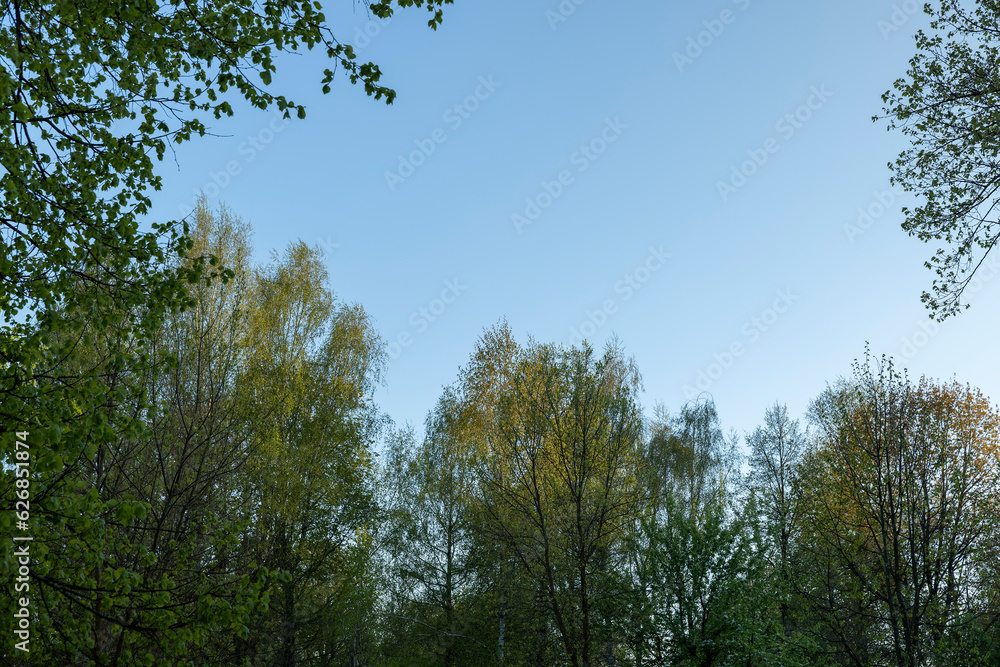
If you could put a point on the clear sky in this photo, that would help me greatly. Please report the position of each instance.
(559, 165)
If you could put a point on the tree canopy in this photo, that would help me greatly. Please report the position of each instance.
(191, 445)
(948, 105)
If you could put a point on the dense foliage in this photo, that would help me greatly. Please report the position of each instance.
(241, 512)
(117, 368)
(211, 482)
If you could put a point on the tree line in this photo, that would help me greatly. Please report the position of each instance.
(248, 504)
(211, 483)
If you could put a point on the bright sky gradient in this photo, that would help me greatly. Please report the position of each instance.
(662, 134)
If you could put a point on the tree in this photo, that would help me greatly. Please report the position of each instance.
(707, 586)
(559, 483)
(433, 548)
(89, 94)
(454, 592)
(902, 498)
(312, 366)
(154, 568)
(776, 451)
(948, 104)
(239, 471)
(702, 577)
(689, 459)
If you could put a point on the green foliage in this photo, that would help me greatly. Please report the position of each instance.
(431, 549)
(228, 496)
(311, 366)
(137, 556)
(971, 644)
(91, 97)
(948, 104)
(705, 590)
(706, 593)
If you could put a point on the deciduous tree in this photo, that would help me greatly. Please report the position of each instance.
(776, 451)
(560, 484)
(948, 104)
(903, 501)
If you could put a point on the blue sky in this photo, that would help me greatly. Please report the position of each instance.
(559, 165)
